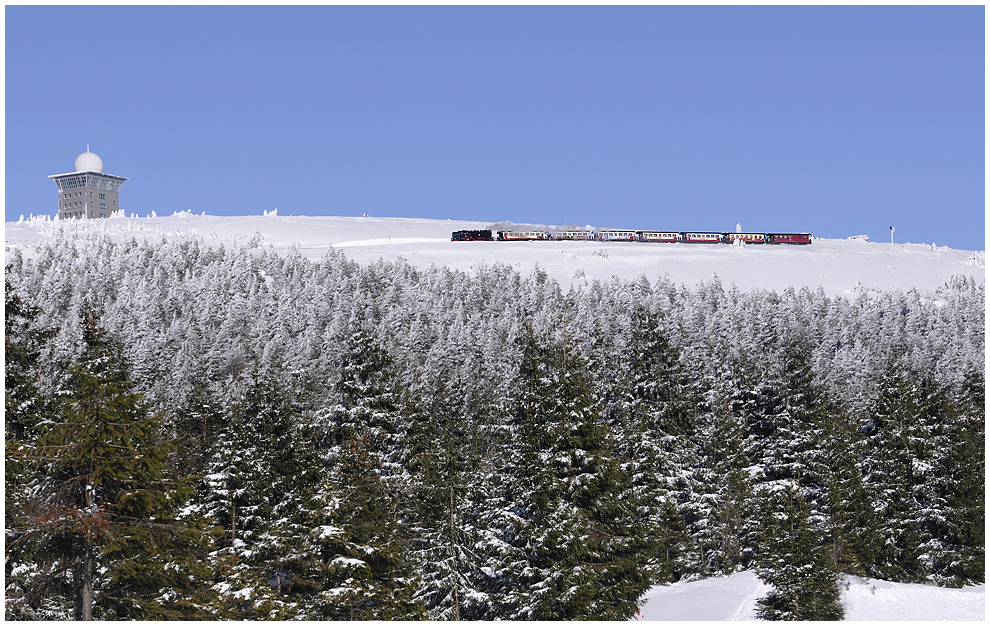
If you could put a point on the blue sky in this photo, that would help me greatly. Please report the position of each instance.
(832, 120)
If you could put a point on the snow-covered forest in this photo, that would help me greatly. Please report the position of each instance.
(205, 432)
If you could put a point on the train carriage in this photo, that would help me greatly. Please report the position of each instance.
(616, 235)
(572, 235)
(744, 237)
(801, 239)
(700, 237)
(521, 235)
(656, 236)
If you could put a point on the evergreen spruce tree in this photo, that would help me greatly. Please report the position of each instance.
(196, 425)
(653, 424)
(371, 400)
(580, 538)
(721, 513)
(932, 476)
(236, 493)
(851, 520)
(31, 592)
(786, 419)
(271, 491)
(966, 497)
(796, 563)
(443, 459)
(944, 482)
(103, 508)
(24, 405)
(366, 568)
(895, 551)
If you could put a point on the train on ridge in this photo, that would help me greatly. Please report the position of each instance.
(632, 235)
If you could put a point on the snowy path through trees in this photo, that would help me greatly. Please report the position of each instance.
(729, 598)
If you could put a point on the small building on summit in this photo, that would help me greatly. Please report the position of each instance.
(87, 192)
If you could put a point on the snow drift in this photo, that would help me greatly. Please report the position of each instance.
(733, 598)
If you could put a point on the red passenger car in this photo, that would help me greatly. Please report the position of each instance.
(794, 238)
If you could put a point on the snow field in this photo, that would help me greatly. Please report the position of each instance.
(878, 600)
(733, 598)
(836, 265)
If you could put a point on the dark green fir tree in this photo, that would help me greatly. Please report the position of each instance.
(363, 559)
(103, 510)
(32, 592)
(582, 543)
(652, 422)
(796, 562)
(891, 440)
(965, 523)
(443, 459)
(260, 489)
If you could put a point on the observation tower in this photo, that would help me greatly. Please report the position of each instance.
(87, 192)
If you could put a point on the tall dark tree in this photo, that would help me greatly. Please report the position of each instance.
(652, 418)
(796, 562)
(945, 444)
(891, 439)
(261, 490)
(582, 544)
(966, 497)
(103, 508)
(442, 461)
(850, 517)
(24, 405)
(28, 590)
(366, 566)
(368, 573)
(721, 512)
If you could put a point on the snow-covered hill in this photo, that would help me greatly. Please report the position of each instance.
(733, 598)
(837, 265)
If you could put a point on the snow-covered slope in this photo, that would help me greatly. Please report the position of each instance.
(837, 265)
(733, 598)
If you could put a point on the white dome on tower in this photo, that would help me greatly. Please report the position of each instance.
(89, 162)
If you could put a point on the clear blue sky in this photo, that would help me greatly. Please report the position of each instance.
(832, 120)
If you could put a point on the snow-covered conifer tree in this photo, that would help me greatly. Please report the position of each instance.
(795, 562)
(580, 542)
(103, 508)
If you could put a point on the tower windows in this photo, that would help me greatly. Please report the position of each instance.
(87, 181)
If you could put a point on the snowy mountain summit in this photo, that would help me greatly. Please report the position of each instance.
(835, 265)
